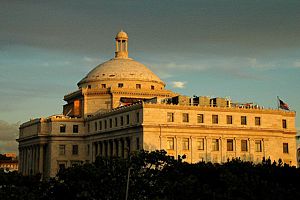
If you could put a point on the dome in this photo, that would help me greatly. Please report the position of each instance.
(122, 35)
(124, 69)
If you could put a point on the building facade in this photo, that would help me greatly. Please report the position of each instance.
(121, 106)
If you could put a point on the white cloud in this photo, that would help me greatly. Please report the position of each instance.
(92, 60)
(296, 64)
(8, 136)
(178, 84)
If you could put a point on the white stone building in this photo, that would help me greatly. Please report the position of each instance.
(121, 106)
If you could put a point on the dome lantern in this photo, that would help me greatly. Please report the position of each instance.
(121, 45)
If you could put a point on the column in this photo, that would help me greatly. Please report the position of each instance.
(41, 158)
(120, 148)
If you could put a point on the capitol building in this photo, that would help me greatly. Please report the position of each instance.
(121, 106)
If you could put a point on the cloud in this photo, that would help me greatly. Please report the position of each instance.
(92, 60)
(8, 135)
(178, 84)
(296, 64)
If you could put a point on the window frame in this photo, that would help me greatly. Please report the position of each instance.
(185, 117)
(229, 119)
(75, 149)
(215, 119)
(200, 118)
(243, 120)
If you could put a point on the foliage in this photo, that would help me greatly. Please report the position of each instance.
(155, 175)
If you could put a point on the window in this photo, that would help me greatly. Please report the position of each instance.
(127, 119)
(96, 126)
(103, 85)
(62, 149)
(200, 118)
(121, 120)
(100, 125)
(170, 117)
(152, 87)
(285, 148)
(257, 121)
(229, 145)
(215, 119)
(215, 145)
(75, 149)
(229, 119)
(185, 117)
(120, 85)
(138, 86)
(284, 123)
(244, 145)
(88, 127)
(62, 166)
(185, 144)
(170, 143)
(137, 117)
(243, 120)
(116, 121)
(62, 128)
(88, 150)
(137, 143)
(105, 124)
(89, 86)
(200, 144)
(258, 146)
(75, 128)
(110, 123)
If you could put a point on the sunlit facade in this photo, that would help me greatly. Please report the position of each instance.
(121, 106)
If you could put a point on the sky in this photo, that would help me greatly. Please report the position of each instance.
(248, 51)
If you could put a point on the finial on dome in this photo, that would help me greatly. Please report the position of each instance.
(121, 45)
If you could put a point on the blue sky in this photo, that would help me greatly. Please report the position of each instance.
(246, 50)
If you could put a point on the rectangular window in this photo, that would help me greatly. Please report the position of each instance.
(62, 149)
(96, 126)
(137, 143)
(200, 118)
(110, 123)
(285, 148)
(243, 120)
(88, 127)
(121, 120)
(185, 144)
(100, 125)
(88, 150)
(229, 145)
(244, 145)
(62, 128)
(120, 85)
(258, 147)
(215, 119)
(200, 144)
(152, 87)
(257, 121)
(215, 145)
(229, 119)
(89, 86)
(105, 124)
(137, 117)
(138, 86)
(170, 117)
(75, 149)
(127, 119)
(170, 143)
(75, 128)
(284, 123)
(116, 121)
(185, 117)
(103, 85)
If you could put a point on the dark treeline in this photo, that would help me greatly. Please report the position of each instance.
(154, 175)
